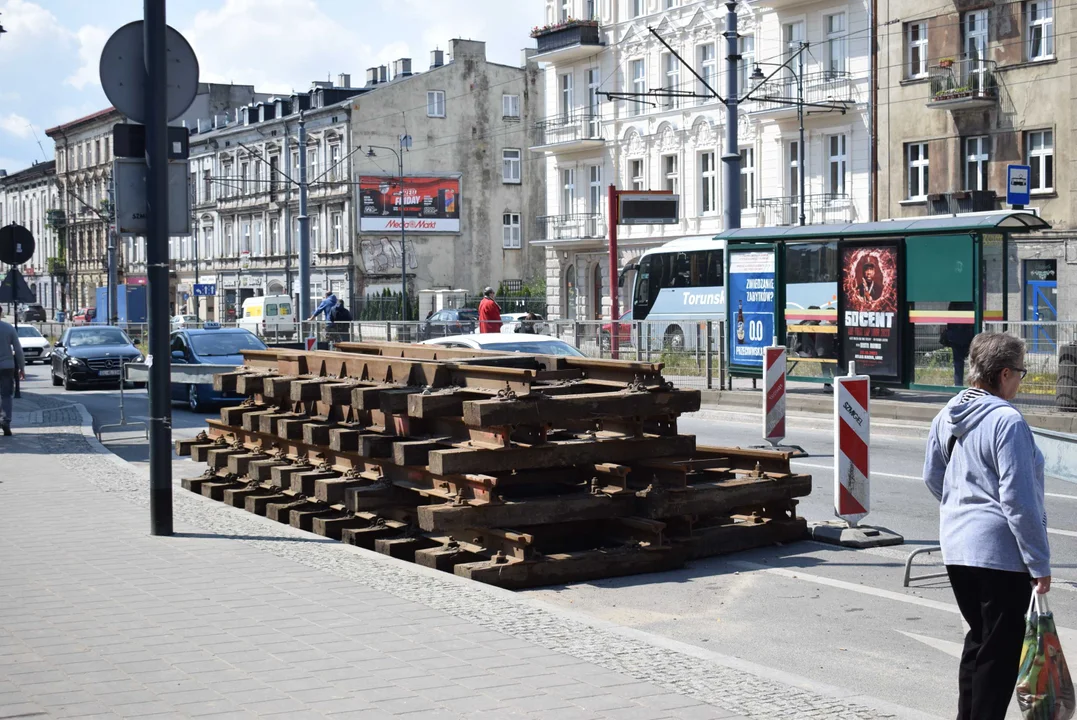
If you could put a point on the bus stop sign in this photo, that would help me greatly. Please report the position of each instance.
(1017, 189)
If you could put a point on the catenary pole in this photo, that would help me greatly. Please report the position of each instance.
(304, 225)
(403, 241)
(731, 157)
(157, 266)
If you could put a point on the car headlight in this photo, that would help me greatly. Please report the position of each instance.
(136, 359)
(76, 361)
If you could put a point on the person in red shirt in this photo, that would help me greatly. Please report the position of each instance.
(489, 313)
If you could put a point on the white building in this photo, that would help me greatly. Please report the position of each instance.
(676, 143)
(26, 197)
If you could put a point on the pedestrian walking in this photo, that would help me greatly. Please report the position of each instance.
(339, 317)
(325, 306)
(489, 313)
(958, 337)
(983, 466)
(11, 362)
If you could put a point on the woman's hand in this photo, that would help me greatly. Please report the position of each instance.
(1043, 584)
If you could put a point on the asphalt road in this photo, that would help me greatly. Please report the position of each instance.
(827, 615)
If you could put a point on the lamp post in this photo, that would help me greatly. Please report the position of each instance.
(757, 79)
(405, 144)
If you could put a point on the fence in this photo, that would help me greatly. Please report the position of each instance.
(1047, 344)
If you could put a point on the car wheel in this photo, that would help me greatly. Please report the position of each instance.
(605, 342)
(194, 402)
(69, 384)
(56, 381)
(674, 339)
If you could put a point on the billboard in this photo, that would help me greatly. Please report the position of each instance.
(431, 204)
(751, 305)
(868, 310)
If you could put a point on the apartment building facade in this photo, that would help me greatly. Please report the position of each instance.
(26, 197)
(662, 129)
(967, 90)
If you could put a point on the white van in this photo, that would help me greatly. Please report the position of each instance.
(269, 316)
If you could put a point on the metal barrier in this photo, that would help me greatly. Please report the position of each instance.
(123, 424)
(1046, 342)
(908, 566)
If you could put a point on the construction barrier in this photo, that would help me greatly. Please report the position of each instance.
(774, 394)
(852, 446)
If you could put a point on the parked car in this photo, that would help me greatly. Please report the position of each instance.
(209, 345)
(510, 322)
(35, 348)
(499, 342)
(33, 313)
(269, 315)
(85, 316)
(92, 356)
(449, 321)
(184, 321)
(624, 332)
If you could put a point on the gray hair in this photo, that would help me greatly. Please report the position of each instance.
(990, 354)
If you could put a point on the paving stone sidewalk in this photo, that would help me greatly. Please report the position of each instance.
(240, 617)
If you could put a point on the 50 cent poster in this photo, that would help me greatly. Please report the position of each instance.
(868, 314)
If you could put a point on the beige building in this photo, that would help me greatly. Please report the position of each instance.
(26, 197)
(964, 92)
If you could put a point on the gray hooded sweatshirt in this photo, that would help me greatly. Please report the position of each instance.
(991, 489)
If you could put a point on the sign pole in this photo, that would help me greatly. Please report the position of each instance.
(614, 305)
(156, 110)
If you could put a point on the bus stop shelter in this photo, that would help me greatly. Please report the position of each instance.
(900, 298)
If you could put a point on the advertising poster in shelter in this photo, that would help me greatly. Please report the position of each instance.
(431, 204)
(751, 306)
(869, 300)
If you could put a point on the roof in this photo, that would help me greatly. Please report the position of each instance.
(1009, 221)
(88, 118)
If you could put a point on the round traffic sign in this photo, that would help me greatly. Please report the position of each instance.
(123, 72)
(16, 244)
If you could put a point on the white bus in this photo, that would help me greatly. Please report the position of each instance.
(678, 287)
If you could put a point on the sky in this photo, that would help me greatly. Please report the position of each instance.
(50, 52)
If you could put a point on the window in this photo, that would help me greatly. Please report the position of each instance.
(1041, 30)
(274, 172)
(510, 166)
(207, 186)
(637, 7)
(510, 106)
(244, 171)
(670, 4)
(97, 151)
(639, 85)
(259, 247)
(976, 156)
(792, 157)
(1041, 157)
(314, 232)
(917, 159)
(107, 156)
(672, 68)
(230, 241)
(747, 178)
(594, 189)
(708, 70)
(312, 163)
(566, 96)
(593, 111)
(670, 176)
(510, 231)
(274, 237)
(256, 177)
(435, 103)
(835, 44)
(636, 172)
(708, 189)
(747, 62)
(338, 232)
(228, 188)
(334, 161)
(838, 164)
(245, 237)
(974, 28)
(916, 49)
(793, 35)
(566, 10)
(568, 191)
(295, 164)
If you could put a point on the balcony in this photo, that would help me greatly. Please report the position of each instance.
(779, 96)
(962, 201)
(818, 209)
(569, 132)
(964, 84)
(569, 41)
(584, 230)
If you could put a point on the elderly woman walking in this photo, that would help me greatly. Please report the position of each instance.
(983, 466)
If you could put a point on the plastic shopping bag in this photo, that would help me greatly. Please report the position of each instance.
(1044, 687)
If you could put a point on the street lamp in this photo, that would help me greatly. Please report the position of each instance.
(405, 144)
(757, 79)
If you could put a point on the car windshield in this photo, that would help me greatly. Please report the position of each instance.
(469, 314)
(539, 347)
(220, 344)
(102, 336)
(28, 332)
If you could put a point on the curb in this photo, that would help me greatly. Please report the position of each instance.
(509, 597)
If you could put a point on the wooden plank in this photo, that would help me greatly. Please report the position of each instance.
(215, 490)
(331, 490)
(281, 475)
(403, 548)
(292, 428)
(417, 452)
(344, 439)
(303, 482)
(226, 382)
(368, 397)
(237, 496)
(303, 517)
(561, 454)
(338, 393)
(395, 401)
(200, 451)
(195, 484)
(281, 511)
(446, 557)
(240, 464)
(446, 403)
(365, 537)
(278, 387)
(719, 498)
(530, 511)
(540, 410)
(253, 421)
(731, 536)
(261, 470)
(252, 383)
(333, 526)
(257, 504)
(234, 415)
(183, 447)
(267, 422)
(217, 458)
(572, 567)
(308, 390)
(376, 497)
(317, 432)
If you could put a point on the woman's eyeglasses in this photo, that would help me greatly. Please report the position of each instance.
(1022, 371)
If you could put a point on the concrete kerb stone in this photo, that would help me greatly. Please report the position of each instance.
(724, 681)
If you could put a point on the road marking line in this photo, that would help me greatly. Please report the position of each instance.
(1066, 533)
(1060, 495)
(881, 474)
(953, 649)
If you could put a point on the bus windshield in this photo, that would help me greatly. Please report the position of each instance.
(679, 283)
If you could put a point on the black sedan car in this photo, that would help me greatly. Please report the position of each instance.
(32, 313)
(90, 355)
(449, 321)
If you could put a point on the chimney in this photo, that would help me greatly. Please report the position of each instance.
(383, 74)
(371, 76)
(401, 68)
(344, 80)
(437, 58)
(321, 84)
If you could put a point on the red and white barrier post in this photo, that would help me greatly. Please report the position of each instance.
(774, 394)
(311, 343)
(852, 443)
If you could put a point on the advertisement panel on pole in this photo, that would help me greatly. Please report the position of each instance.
(431, 204)
(869, 302)
(751, 306)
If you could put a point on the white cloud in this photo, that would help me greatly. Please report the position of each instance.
(91, 40)
(16, 125)
(28, 25)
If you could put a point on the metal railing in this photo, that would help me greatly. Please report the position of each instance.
(571, 126)
(964, 79)
(579, 32)
(1051, 360)
(571, 227)
(824, 86)
(818, 209)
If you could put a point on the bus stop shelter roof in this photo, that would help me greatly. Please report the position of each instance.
(1007, 222)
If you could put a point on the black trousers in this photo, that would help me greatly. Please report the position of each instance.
(993, 603)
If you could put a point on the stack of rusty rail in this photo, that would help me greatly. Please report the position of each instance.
(515, 470)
